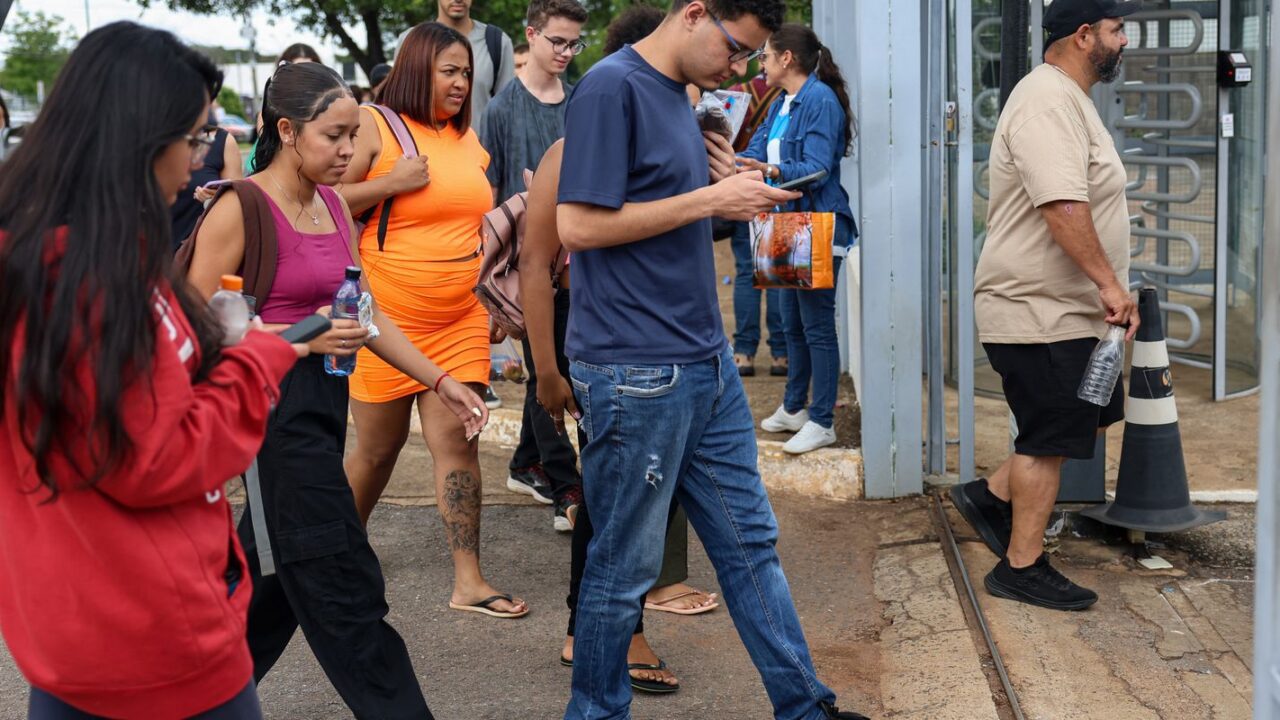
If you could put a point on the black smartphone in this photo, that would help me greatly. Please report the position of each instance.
(307, 329)
(800, 182)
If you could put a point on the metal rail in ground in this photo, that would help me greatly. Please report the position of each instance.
(969, 599)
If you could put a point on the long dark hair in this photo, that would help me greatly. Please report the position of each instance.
(411, 87)
(299, 92)
(126, 93)
(296, 52)
(4, 112)
(815, 58)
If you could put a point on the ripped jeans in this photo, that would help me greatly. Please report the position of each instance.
(654, 431)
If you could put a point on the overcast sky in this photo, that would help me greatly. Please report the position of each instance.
(273, 35)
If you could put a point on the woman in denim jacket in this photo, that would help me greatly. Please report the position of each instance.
(810, 127)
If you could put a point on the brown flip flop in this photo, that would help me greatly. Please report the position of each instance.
(485, 607)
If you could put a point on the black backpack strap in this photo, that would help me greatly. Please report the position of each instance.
(382, 221)
(493, 43)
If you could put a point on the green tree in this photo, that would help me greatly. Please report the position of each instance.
(230, 102)
(39, 46)
(383, 20)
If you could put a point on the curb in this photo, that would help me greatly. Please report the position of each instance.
(829, 473)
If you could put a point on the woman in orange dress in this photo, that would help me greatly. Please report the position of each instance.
(423, 272)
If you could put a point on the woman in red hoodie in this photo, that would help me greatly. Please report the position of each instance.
(123, 588)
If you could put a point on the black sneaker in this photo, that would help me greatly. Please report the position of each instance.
(988, 514)
(834, 713)
(531, 481)
(491, 399)
(1038, 584)
(567, 509)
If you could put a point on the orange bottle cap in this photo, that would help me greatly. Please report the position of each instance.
(235, 283)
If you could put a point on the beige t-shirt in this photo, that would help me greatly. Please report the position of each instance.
(1049, 145)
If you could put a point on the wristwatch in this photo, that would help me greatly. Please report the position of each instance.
(774, 172)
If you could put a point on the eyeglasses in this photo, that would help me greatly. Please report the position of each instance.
(740, 53)
(200, 144)
(559, 44)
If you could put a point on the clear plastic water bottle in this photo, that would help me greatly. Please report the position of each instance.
(346, 305)
(231, 309)
(1105, 365)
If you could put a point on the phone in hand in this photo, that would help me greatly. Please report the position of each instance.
(805, 181)
(306, 329)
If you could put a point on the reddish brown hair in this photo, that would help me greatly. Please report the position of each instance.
(410, 87)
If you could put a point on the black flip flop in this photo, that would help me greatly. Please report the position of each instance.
(656, 687)
(566, 661)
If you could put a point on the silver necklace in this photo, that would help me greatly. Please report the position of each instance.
(315, 218)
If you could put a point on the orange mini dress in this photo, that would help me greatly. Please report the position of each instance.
(424, 275)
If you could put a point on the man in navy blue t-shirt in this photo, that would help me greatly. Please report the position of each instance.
(661, 402)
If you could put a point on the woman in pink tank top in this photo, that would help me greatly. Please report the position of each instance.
(328, 580)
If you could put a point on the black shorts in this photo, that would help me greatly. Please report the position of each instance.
(1040, 385)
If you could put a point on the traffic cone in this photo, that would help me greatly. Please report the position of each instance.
(1151, 491)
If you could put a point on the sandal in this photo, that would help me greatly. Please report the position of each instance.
(746, 366)
(485, 607)
(779, 367)
(657, 687)
(663, 606)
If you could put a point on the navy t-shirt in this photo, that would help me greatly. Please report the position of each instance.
(631, 136)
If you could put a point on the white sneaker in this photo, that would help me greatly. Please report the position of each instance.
(783, 421)
(811, 437)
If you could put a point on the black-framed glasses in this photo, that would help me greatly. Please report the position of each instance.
(740, 53)
(559, 44)
(200, 143)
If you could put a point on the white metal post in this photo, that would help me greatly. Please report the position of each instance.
(1266, 628)
(964, 263)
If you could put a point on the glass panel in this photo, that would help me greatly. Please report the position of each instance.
(986, 109)
(1245, 199)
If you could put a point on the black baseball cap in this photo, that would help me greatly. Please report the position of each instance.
(1064, 17)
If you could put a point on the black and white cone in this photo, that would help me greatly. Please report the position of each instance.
(1151, 490)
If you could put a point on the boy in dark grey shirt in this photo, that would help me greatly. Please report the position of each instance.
(527, 115)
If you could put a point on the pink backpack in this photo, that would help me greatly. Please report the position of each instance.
(410, 150)
(502, 230)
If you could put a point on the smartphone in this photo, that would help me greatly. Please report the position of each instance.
(800, 182)
(307, 329)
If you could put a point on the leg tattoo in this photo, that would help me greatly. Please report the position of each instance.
(460, 508)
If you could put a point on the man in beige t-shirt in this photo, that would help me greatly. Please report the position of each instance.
(1053, 272)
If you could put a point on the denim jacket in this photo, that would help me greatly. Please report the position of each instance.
(814, 141)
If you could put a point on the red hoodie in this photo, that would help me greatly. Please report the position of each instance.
(115, 598)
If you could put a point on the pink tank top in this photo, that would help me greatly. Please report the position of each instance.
(309, 268)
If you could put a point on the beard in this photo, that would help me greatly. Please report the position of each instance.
(1106, 64)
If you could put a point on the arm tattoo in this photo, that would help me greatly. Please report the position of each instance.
(460, 509)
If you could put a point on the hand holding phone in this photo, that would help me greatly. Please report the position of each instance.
(805, 181)
(306, 329)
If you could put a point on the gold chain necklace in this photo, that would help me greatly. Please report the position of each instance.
(315, 218)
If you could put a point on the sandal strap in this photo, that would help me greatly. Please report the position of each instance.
(662, 665)
(492, 599)
(677, 596)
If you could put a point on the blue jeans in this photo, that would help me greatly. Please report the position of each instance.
(654, 431)
(809, 317)
(746, 303)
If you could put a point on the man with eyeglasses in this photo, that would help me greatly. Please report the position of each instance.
(523, 120)
(660, 401)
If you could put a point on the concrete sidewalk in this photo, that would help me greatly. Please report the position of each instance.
(878, 602)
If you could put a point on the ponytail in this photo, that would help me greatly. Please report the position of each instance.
(299, 93)
(814, 58)
(829, 73)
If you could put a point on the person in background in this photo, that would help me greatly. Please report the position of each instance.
(1053, 274)
(423, 273)
(222, 163)
(320, 542)
(123, 588)
(520, 53)
(493, 63)
(518, 126)
(809, 129)
(377, 78)
(663, 406)
(295, 53)
(746, 297)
